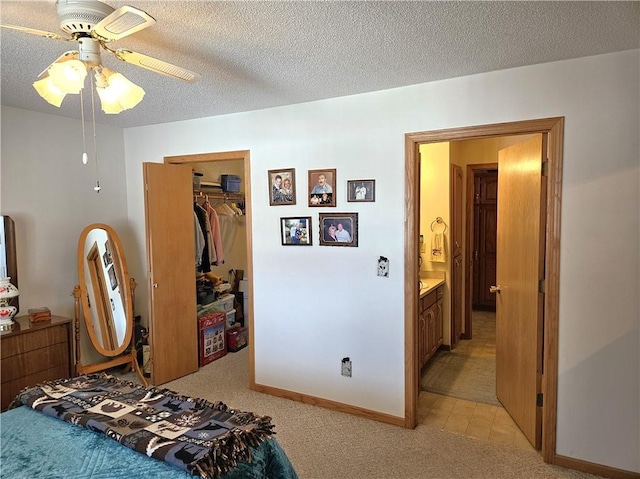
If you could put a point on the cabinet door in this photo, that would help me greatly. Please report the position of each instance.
(171, 271)
(439, 317)
(431, 330)
(422, 338)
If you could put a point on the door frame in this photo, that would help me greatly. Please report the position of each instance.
(472, 169)
(553, 129)
(243, 155)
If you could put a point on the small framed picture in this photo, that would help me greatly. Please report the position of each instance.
(322, 187)
(106, 259)
(361, 190)
(112, 277)
(282, 187)
(338, 229)
(296, 231)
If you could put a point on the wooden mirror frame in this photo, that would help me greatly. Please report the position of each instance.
(122, 354)
(11, 256)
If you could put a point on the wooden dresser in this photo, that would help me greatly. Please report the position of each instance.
(34, 352)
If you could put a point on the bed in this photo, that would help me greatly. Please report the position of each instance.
(78, 428)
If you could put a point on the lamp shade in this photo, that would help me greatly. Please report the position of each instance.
(7, 290)
(7, 312)
(116, 92)
(47, 90)
(68, 76)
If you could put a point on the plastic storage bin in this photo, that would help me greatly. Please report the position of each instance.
(230, 183)
(225, 302)
(231, 318)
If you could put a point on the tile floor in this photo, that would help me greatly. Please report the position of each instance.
(474, 419)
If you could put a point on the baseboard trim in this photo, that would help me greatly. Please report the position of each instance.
(593, 468)
(328, 404)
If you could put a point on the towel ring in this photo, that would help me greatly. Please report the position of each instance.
(438, 221)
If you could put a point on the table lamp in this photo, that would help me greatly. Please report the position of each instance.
(7, 312)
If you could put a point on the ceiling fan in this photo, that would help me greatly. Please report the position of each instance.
(93, 25)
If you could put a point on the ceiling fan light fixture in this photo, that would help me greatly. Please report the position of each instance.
(116, 92)
(68, 76)
(49, 91)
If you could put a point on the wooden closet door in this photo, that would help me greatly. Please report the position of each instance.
(169, 220)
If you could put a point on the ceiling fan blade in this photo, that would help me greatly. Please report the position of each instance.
(40, 33)
(156, 65)
(122, 22)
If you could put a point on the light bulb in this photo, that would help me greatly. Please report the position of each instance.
(85, 158)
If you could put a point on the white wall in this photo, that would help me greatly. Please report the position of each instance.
(315, 305)
(49, 193)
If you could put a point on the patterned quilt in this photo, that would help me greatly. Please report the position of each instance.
(193, 434)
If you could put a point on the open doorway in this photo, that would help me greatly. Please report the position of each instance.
(464, 367)
(552, 131)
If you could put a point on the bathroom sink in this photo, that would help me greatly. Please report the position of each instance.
(429, 284)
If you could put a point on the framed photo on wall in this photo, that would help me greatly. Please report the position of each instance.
(112, 277)
(322, 187)
(338, 229)
(361, 190)
(282, 187)
(296, 231)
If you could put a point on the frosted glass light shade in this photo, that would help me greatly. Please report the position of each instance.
(47, 90)
(119, 93)
(68, 76)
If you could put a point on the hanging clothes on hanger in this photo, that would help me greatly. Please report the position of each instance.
(216, 234)
(213, 257)
(199, 238)
(205, 265)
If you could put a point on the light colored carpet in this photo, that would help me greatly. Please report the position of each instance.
(326, 444)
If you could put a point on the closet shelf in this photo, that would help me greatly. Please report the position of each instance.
(219, 195)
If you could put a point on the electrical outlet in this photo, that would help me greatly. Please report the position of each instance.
(346, 367)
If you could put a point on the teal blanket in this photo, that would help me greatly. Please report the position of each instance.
(33, 445)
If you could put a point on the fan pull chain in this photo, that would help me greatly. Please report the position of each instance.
(97, 187)
(85, 157)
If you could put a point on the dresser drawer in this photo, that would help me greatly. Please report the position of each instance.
(34, 340)
(35, 361)
(34, 353)
(11, 389)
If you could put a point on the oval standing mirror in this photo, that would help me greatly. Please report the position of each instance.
(104, 297)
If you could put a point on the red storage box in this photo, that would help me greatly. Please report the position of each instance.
(237, 338)
(212, 336)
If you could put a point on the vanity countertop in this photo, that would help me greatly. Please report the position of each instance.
(429, 284)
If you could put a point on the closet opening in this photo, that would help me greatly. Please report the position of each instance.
(225, 269)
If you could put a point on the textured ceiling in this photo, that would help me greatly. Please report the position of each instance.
(260, 54)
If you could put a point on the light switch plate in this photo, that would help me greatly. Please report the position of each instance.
(383, 267)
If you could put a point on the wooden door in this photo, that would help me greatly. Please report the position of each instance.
(456, 301)
(457, 298)
(457, 229)
(520, 267)
(170, 271)
(485, 216)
